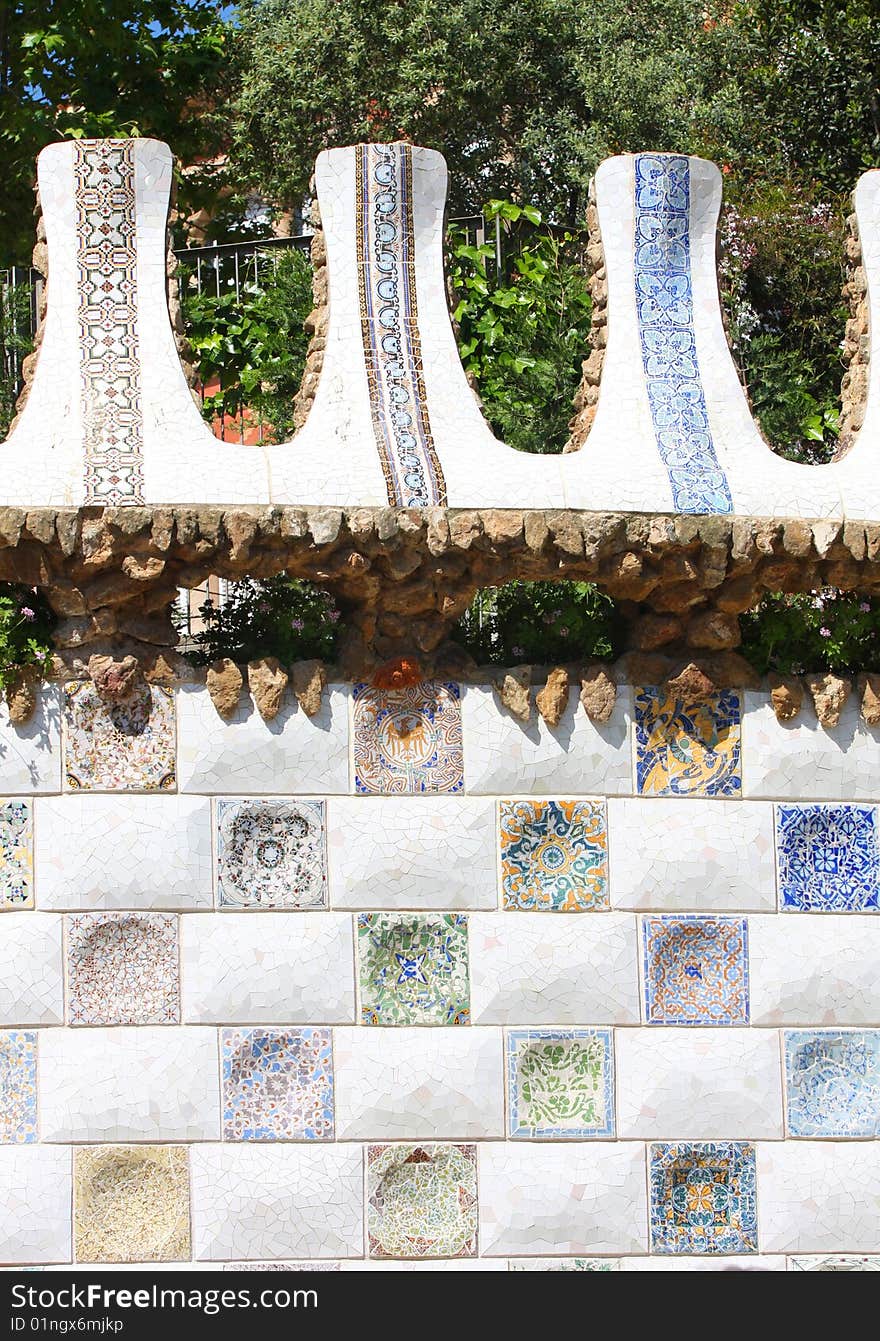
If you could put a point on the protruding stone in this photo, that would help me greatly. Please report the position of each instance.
(309, 682)
(786, 696)
(598, 693)
(552, 700)
(267, 681)
(870, 691)
(512, 689)
(653, 631)
(21, 695)
(691, 682)
(830, 693)
(224, 681)
(115, 681)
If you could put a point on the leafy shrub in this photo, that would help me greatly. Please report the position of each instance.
(540, 622)
(822, 630)
(523, 333)
(15, 342)
(254, 344)
(280, 617)
(26, 624)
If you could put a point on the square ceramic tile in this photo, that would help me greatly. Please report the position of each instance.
(131, 1203)
(828, 858)
(18, 1087)
(832, 1081)
(703, 1197)
(413, 968)
(563, 1264)
(560, 1082)
(687, 747)
(408, 740)
(839, 1263)
(554, 855)
(119, 747)
(277, 1085)
(16, 855)
(123, 968)
(422, 1200)
(695, 970)
(271, 854)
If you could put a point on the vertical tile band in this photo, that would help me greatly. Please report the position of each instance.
(390, 327)
(665, 314)
(110, 374)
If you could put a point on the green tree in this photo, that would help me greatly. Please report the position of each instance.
(97, 68)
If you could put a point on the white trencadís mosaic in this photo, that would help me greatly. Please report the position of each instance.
(551, 1079)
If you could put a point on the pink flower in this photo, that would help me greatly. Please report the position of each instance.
(297, 624)
(865, 608)
(824, 633)
(28, 612)
(333, 615)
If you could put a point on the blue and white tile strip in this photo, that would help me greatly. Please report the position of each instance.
(665, 314)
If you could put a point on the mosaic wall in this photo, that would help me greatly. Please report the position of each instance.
(409, 985)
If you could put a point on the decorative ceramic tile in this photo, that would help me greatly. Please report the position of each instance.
(131, 1203)
(18, 1088)
(413, 968)
(687, 747)
(274, 1201)
(122, 968)
(281, 1266)
(271, 854)
(695, 970)
(833, 1082)
(16, 855)
(277, 1085)
(553, 855)
(840, 1263)
(119, 747)
(560, 1082)
(703, 1197)
(422, 1200)
(665, 313)
(828, 858)
(408, 740)
(564, 1264)
(390, 326)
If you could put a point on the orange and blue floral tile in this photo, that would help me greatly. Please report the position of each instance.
(703, 1197)
(422, 1200)
(554, 856)
(408, 741)
(18, 1087)
(687, 747)
(695, 970)
(413, 968)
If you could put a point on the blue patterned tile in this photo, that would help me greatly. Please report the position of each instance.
(277, 1084)
(832, 1080)
(560, 1082)
(665, 315)
(828, 858)
(554, 855)
(18, 1087)
(695, 970)
(688, 747)
(703, 1197)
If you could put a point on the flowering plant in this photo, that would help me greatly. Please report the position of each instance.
(279, 617)
(540, 623)
(821, 630)
(26, 624)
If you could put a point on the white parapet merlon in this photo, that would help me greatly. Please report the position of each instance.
(110, 419)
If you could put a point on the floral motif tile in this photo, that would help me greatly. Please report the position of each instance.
(16, 855)
(695, 970)
(271, 854)
(832, 1080)
(422, 1200)
(119, 747)
(703, 1197)
(131, 1203)
(687, 747)
(18, 1087)
(277, 1084)
(839, 1263)
(123, 968)
(408, 740)
(560, 1082)
(828, 858)
(554, 855)
(413, 968)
